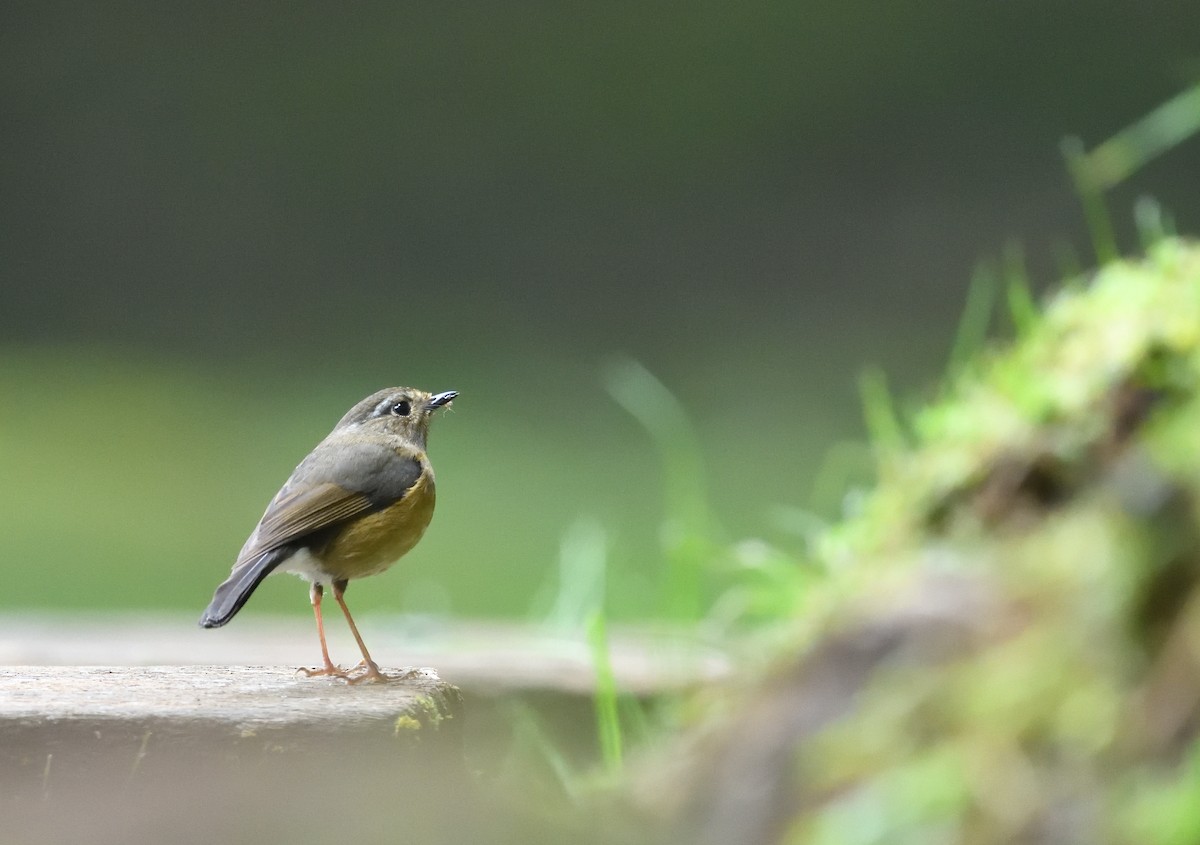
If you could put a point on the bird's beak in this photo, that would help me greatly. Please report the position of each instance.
(440, 400)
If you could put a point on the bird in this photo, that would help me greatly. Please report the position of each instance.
(357, 503)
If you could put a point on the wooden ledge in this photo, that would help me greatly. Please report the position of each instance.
(482, 657)
(244, 698)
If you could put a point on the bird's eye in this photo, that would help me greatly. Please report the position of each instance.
(402, 408)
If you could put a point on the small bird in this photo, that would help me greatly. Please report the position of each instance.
(360, 500)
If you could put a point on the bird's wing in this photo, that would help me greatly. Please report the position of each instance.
(322, 493)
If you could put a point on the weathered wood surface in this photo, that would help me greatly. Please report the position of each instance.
(243, 698)
(150, 724)
(82, 713)
(481, 657)
(225, 754)
(142, 727)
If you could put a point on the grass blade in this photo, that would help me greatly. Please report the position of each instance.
(687, 529)
(608, 721)
(879, 411)
(976, 317)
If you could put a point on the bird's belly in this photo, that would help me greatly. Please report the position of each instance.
(370, 544)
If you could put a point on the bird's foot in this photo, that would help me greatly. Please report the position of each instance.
(370, 674)
(329, 670)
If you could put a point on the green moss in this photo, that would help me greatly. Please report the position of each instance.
(1050, 395)
(1062, 472)
(435, 711)
(405, 723)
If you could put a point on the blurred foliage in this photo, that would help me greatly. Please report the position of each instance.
(1122, 155)
(223, 227)
(1004, 646)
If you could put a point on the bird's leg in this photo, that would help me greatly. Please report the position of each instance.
(372, 672)
(314, 595)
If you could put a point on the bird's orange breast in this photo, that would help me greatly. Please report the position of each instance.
(369, 544)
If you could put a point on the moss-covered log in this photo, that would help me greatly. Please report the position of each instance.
(1007, 645)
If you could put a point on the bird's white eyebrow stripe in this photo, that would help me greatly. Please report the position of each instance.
(383, 406)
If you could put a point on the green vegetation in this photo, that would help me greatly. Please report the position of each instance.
(1001, 636)
(1053, 479)
(1031, 548)
(1048, 496)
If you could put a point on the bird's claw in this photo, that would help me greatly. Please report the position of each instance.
(370, 674)
(328, 671)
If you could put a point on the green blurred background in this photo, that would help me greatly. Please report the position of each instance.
(221, 226)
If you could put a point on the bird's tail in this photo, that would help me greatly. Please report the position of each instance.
(237, 588)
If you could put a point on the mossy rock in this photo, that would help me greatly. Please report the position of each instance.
(1007, 645)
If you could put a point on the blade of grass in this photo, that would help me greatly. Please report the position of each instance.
(1153, 224)
(608, 721)
(46, 777)
(879, 411)
(138, 758)
(1091, 195)
(582, 568)
(976, 317)
(1135, 146)
(845, 465)
(687, 527)
(1113, 161)
(528, 733)
(1018, 291)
